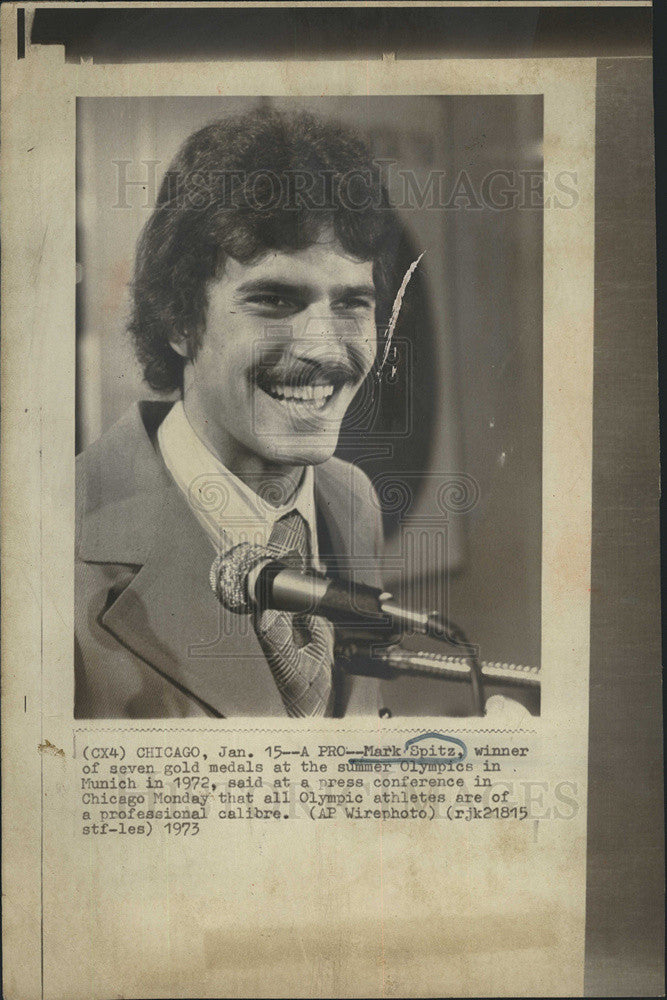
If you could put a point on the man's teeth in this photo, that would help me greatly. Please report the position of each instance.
(302, 393)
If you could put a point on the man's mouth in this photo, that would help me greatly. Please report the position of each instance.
(313, 397)
(305, 388)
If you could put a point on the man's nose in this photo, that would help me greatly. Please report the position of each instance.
(323, 335)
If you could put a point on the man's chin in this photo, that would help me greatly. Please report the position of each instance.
(307, 456)
(310, 451)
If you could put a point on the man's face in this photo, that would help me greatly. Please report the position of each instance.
(289, 339)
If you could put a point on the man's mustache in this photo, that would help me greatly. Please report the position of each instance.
(348, 366)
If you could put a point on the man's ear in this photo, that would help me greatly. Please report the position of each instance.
(181, 346)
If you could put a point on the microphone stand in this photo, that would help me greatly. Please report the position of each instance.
(393, 662)
(389, 662)
(364, 656)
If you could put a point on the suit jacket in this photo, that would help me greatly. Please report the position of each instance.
(151, 640)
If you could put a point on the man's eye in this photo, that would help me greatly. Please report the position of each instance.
(355, 302)
(270, 301)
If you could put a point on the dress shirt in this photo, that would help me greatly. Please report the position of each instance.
(229, 511)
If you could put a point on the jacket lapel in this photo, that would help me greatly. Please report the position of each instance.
(345, 527)
(344, 533)
(168, 615)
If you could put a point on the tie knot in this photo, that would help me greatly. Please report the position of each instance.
(290, 535)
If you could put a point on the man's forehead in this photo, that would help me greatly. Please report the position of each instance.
(323, 263)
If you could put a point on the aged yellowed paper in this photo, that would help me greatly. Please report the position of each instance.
(249, 853)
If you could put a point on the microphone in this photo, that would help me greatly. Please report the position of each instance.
(249, 578)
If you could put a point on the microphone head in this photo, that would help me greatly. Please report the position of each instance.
(229, 576)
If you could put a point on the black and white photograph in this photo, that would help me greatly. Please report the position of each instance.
(309, 336)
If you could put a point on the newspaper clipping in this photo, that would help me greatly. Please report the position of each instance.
(298, 368)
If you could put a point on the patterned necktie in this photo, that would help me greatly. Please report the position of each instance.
(298, 648)
(290, 540)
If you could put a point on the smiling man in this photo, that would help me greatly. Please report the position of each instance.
(261, 279)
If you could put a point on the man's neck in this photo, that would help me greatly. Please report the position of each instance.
(274, 482)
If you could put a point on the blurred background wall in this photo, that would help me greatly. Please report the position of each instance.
(464, 412)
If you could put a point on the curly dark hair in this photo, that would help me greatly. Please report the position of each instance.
(258, 181)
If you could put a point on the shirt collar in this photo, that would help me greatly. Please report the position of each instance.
(227, 508)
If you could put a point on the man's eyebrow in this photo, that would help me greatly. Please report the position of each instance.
(273, 287)
(353, 291)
